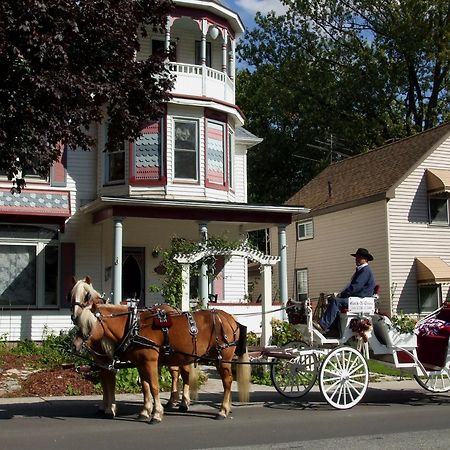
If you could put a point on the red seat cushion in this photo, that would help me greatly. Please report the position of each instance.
(432, 350)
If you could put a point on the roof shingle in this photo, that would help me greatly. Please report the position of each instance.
(367, 174)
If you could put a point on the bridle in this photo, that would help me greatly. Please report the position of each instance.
(86, 303)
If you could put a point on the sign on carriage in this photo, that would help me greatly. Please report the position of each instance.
(359, 305)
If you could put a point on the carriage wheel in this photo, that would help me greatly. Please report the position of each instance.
(344, 377)
(295, 377)
(436, 381)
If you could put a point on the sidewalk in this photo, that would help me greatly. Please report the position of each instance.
(210, 394)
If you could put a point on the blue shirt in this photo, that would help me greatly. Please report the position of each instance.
(362, 283)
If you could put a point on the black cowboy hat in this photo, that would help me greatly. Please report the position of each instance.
(364, 253)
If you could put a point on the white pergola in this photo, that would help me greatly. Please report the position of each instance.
(266, 262)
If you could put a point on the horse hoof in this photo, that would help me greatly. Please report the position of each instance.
(155, 421)
(142, 418)
(183, 408)
(220, 417)
(108, 415)
(169, 406)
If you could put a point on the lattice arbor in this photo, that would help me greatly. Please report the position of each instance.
(266, 262)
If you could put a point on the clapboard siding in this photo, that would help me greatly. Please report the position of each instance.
(410, 233)
(34, 325)
(235, 284)
(327, 256)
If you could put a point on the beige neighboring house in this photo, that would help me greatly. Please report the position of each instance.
(394, 201)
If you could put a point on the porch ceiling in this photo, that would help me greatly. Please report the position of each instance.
(251, 217)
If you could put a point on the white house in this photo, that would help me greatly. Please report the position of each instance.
(394, 201)
(102, 214)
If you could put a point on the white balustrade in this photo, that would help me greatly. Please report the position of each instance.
(193, 80)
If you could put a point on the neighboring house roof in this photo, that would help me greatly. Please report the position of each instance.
(367, 175)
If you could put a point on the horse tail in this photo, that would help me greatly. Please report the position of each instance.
(194, 373)
(243, 371)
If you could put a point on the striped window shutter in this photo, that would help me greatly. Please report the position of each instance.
(215, 155)
(147, 155)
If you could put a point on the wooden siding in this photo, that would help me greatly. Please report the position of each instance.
(410, 233)
(327, 255)
(235, 283)
(33, 325)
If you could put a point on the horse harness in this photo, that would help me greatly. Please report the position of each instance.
(163, 321)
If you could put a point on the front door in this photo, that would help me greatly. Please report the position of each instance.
(133, 273)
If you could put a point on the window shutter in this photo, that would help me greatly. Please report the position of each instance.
(147, 155)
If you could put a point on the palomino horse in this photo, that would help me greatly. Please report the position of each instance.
(84, 289)
(175, 340)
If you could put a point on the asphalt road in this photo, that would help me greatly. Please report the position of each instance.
(392, 415)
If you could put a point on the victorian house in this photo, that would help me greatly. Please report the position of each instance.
(105, 214)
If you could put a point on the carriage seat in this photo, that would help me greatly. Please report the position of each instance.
(432, 348)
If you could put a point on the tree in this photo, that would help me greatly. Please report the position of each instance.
(357, 71)
(65, 64)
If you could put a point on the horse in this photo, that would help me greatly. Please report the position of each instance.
(84, 288)
(174, 340)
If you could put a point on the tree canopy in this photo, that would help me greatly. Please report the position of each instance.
(332, 78)
(65, 64)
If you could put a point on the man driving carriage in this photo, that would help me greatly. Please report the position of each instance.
(362, 284)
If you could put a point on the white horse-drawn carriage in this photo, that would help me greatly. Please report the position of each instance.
(340, 363)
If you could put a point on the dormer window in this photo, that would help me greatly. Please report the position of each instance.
(186, 149)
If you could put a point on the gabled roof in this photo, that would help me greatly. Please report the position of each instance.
(368, 175)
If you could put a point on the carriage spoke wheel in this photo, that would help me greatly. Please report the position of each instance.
(295, 377)
(436, 381)
(344, 377)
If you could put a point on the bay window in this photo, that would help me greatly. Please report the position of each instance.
(186, 149)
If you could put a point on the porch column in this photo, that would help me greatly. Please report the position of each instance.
(203, 281)
(203, 42)
(283, 266)
(224, 50)
(117, 260)
(266, 333)
(185, 271)
(233, 52)
(167, 37)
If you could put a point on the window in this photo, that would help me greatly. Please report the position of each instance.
(115, 164)
(302, 284)
(429, 297)
(115, 167)
(198, 53)
(186, 149)
(158, 47)
(29, 276)
(438, 210)
(215, 154)
(305, 230)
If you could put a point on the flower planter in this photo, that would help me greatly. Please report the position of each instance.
(405, 340)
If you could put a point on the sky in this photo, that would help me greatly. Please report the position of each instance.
(247, 9)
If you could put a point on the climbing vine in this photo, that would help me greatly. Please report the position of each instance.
(171, 270)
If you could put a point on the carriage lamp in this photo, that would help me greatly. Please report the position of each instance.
(214, 32)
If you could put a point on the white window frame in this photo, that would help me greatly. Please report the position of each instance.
(40, 246)
(299, 274)
(196, 122)
(307, 235)
(231, 152)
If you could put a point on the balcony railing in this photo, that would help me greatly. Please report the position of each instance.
(202, 81)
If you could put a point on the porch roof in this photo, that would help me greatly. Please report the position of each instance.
(432, 270)
(252, 217)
